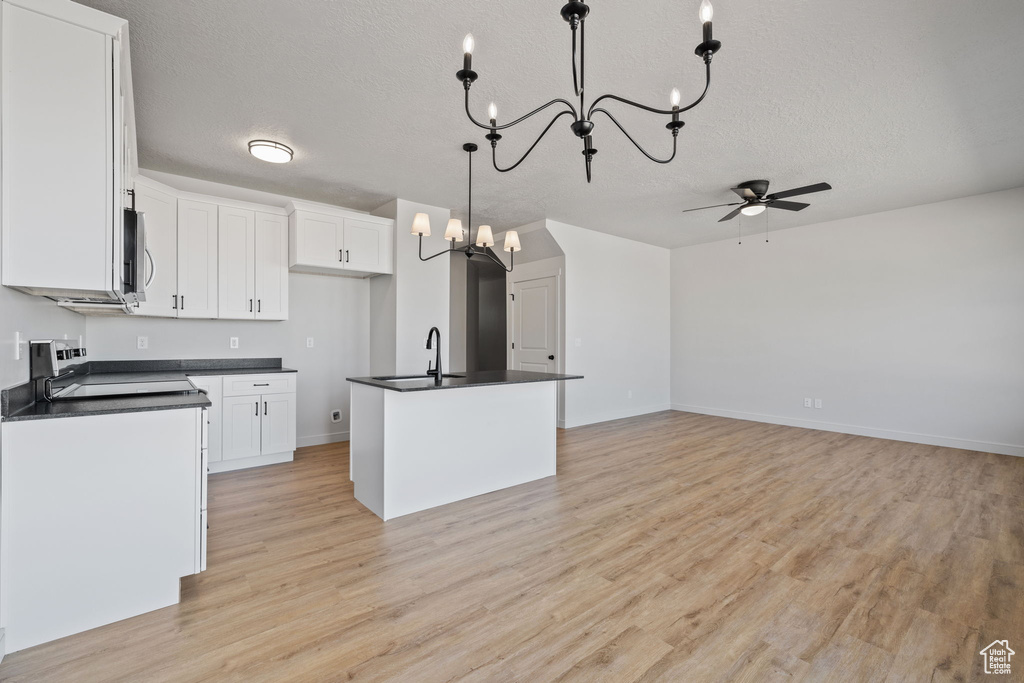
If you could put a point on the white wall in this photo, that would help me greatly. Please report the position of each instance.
(617, 310)
(35, 318)
(908, 325)
(420, 295)
(332, 310)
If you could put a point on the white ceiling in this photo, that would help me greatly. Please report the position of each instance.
(893, 103)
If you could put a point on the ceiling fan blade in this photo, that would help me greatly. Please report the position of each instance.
(788, 206)
(712, 207)
(807, 189)
(744, 192)
(729, 216)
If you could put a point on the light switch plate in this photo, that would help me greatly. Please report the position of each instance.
(309, 342)
(817, 403)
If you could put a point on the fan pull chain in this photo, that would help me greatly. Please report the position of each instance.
(766, 227)
(739, 230)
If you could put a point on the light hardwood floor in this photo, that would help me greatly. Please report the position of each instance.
(670, 547)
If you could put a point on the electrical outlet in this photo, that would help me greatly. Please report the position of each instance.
(335, 416)
(807, 403)
(309, 342)
(233, 342)
(629, 394)
(142, 342)
(817, 403)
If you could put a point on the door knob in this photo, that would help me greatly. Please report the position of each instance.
(551, 357)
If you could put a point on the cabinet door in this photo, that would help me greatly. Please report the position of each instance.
(318, 240)
(278, 423)
(197, 259)
(213, 388)
(161, 267)
(60, 205)
(240, 429)
(236, 258)
(271, 267)
(364, 246)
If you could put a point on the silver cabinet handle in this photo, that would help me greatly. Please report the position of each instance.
(152, 268)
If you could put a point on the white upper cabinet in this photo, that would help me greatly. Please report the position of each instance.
(365, 246)
(271, 267)
(237, 259)
(161, 272)
(317, 240)
(197, 260)
(67, 135)
(338, 242)
(253, 258)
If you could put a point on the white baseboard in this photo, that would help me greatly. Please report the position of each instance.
(612, 415)
(255, 461)
(912, 437)
(321, 439)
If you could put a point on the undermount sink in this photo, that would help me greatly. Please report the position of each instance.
(412, 378)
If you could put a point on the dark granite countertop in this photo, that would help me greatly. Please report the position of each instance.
(16, 403)
(462, 380)
(42, 410)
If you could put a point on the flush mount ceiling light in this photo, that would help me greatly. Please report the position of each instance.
(575, 13)
(268, 150)
(454, 232)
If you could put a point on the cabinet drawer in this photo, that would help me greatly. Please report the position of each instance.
(243, 385)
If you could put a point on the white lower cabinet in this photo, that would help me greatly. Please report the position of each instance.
(242, 427)
(111, 536)
(252, 420)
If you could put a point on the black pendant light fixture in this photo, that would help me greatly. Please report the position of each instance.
(575, 13)
(454, 232)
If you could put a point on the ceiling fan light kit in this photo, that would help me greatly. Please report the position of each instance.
(756, 199)
(575, 14)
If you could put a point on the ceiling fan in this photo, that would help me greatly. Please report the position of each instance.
(755, 199)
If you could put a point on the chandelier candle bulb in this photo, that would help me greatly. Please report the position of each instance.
(512, 241)
(706, 13)
(467, 47)
(492, 114)
(421, 225)
(484, 237)
(454, 230)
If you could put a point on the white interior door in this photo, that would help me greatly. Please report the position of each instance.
(197, 259)
(240, 428)
(271, 267)
(161, 266)
(236, 275)
(535, 323)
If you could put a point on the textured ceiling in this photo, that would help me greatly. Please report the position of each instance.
(893, 103)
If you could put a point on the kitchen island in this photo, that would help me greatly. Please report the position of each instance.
(417, 443)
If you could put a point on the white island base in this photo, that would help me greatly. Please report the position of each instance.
(414, 450)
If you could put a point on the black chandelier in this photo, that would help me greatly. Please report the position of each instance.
(454, 233)
(575, 13)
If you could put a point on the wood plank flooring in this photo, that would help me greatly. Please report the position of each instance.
(670, 547)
